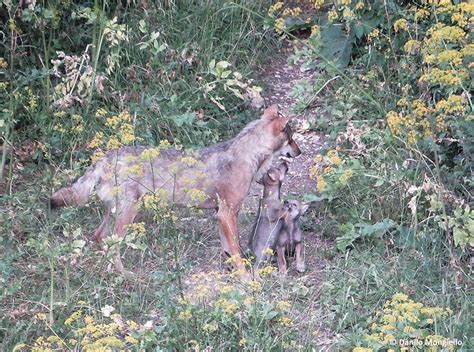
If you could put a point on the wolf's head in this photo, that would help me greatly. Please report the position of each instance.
(293, 209)
(281, 133)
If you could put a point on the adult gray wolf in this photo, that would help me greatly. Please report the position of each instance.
(216, 177)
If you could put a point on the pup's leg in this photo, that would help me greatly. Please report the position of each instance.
(281, 260)
(227, 219)
(300, 266)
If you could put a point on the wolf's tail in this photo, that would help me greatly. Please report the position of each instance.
(79, 192)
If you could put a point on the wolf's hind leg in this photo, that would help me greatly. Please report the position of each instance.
(125, 216)
(103, 229)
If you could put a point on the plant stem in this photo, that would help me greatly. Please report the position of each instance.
(51, 292)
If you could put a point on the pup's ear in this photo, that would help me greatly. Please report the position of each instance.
(283, 213)
(271, 112)
(304, 207)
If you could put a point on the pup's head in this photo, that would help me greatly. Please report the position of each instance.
(282, 136)
(293, 209)
(274, 176)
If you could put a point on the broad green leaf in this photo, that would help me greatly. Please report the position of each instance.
(336, 45)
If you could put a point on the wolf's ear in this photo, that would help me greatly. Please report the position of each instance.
(279, 124)
(271, 112)
(304, 207)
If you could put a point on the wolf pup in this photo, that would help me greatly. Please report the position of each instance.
(269, 221)
(217, 177)
(290, 237)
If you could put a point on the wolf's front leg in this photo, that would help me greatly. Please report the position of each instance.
(103, 230)
(229, 233)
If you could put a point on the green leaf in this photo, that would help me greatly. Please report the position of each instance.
(378, 228)
(78, 243)
(460, 237)
(336, 45)
(212, 64)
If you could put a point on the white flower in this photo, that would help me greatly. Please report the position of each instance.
(107, 310)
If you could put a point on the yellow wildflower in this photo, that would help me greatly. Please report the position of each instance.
(454, 105)
(320, 184)
(101, 112)
(412, 46)
(279, 25)
(255, 285)
(113, 121)
(334, 159)
(113, 143)
(228, 307)
(450, 78)
(268, 251)
(332, 15)
(346, 175)
(185, 315)
(164, 143)
(131, 340)
(292, 12)
(399, 297)
(315, 30)
(459, 19)
(421, 14)
(72, 318)
(318, 3)
(3, 63)
(468, 50)
(137, 228)
(450, 56)
(394, 122)
(412, 137)
(286, 321)
(360, 5)
(401, 24)
(284, 306)
(275, 8)
(267, 270)
(227, 289)
(19, 347)
(373, 35)
(150, 153)
(344, 2)
(347, 13)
